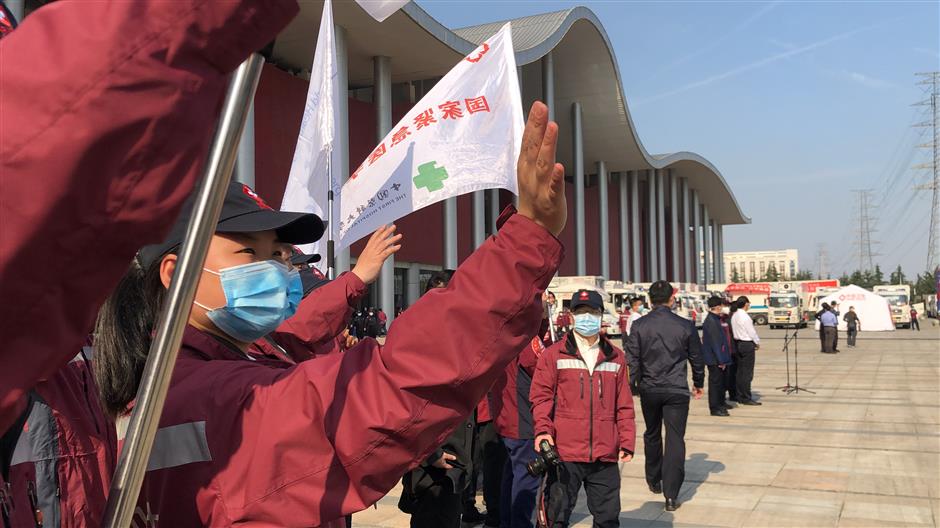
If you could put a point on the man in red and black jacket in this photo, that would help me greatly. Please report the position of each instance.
(582, 404)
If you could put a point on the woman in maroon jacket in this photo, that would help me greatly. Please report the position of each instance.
(259, 441)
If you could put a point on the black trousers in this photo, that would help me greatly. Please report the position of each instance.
(601, 485)
(731, 381)
(668, 466)
(915, 324)
(835, 338)
(744, 358)
(851, 334)
(829, 337)
(489, 456)
(437, 507)
(716, 387)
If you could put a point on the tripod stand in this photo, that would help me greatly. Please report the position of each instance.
(790, 389)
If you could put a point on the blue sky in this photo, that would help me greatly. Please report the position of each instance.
(797, 103)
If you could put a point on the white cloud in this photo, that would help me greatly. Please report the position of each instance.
(865, 80)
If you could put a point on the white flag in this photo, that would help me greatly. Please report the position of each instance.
(463, 136)
(381, 9)
(311, 173)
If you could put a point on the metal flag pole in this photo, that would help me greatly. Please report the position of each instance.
(210, 194)
(330, 255)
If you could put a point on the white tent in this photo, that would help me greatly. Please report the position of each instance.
(874, 313)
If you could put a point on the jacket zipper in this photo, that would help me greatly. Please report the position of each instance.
(591, 427)
(582, 385)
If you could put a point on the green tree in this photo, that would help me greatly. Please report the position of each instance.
(925, 285)
(803, 275)
(735, 276)
(845, 280)
(878, 277)
(897, 276)
(771, 274)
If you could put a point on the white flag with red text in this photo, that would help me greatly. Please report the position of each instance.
(463, 136)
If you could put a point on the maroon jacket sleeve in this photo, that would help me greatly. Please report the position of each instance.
(542, 393)
(626, 416)
(322, 315)
(333, 435)
(529, 357)
(108, 110)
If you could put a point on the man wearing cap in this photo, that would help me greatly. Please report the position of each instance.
(658, 348)
(582, 405)
(716, 353)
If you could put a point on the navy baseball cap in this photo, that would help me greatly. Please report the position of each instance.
(587, 298)
(298, 257)
(242, 212)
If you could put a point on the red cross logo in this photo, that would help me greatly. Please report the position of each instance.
(254, 196)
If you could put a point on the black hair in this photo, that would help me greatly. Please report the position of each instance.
(636, 300)
(123, 332)
(714, 302)
(660, 292)
(439, 279)
(741, 302)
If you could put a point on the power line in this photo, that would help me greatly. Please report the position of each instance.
(932, 80)
(865, 222)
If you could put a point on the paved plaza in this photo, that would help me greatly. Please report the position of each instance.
(863, 451)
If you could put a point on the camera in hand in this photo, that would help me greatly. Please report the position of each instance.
(547, 458)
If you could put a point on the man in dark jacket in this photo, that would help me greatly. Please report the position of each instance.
(716, 353)
(582, 404)
(433, 491)
(659, 345)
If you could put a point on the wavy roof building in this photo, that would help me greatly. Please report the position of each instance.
(634, 216)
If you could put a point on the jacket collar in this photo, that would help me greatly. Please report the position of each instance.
(207, 347)
(571, 346)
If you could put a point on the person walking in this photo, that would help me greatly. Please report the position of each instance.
(746, 344)
(582, 405)
(853, 326)
(732, 369)
(914, 322)
(658, 348)
(827, 325)
(716, 354)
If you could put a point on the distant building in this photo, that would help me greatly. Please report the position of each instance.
(752, 266)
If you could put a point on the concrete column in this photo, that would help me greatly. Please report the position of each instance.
(479, 219)
(720, 252)
(604, 219)
(696, 232)
(686, 224)
(548, 84)
(624, 227)
(450, 233)
(637, 266)
(661, 222)
(675, 272)
(716, 255)
(245, 162)
(707, 247)
(652, 233)
(494, 210)
(342, 142)
(382, 94)
(578, 152)
(413, 284)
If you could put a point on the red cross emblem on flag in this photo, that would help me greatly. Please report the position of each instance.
(254, 196)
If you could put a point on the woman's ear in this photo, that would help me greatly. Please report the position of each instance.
(167, 268)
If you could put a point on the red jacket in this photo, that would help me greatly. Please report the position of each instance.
(270, 443)
(510, 419)
(64, 454)
(108, 111)
(590, 416)
(320, 319)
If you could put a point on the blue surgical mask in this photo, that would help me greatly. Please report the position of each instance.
(259, 297)
(587, 324)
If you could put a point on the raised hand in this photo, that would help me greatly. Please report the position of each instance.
(541, 180)
(382, 244)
